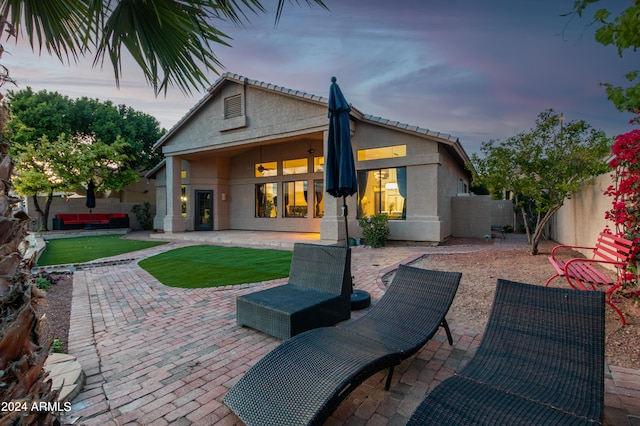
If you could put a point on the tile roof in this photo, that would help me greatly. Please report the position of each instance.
(446, 138)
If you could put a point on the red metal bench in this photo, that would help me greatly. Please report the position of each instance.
(579, 272)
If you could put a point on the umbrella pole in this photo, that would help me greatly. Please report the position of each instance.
(345, 213)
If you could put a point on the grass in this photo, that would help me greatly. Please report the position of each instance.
(214, 266)
(84, 249)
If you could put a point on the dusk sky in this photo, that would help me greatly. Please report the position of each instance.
(475, 70)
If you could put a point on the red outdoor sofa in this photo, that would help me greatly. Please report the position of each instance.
(96, 220)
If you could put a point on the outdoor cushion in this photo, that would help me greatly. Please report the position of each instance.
(317, 294)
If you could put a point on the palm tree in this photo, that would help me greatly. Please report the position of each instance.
(171, 40)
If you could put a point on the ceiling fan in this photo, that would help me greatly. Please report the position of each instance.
(260, 167)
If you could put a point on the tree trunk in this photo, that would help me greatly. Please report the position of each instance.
(44, 214)
(22, 355)
(525, 219)
(537, 234)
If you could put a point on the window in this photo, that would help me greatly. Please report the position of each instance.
(183, 200)
(295, 167)
(318, 164)
(318, 210)
(462, 187)
(295, 199)
(266, 169)
(267, 199)
(233, 106)
(382, 153)
(383, 191)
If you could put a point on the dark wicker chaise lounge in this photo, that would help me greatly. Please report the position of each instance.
(540, 362)
(318, 294)
(303, 380)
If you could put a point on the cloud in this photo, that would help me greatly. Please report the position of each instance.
(476, 70)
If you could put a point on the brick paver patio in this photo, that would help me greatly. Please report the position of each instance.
(155, 355)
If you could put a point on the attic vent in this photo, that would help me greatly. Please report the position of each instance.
(233, 106)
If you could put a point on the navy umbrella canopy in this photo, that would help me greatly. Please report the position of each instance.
(91, 202)
(91, 195)
(340, 167)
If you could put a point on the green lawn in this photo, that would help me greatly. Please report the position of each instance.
(213, 266)
(84, 249)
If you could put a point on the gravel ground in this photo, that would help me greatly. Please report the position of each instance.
(480, 270)
(470, 309)
(56, 307)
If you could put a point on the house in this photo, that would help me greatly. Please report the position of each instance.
(250, 156)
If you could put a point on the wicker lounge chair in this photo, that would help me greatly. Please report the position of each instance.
(317, 294)
(303, 380)
(540, 362)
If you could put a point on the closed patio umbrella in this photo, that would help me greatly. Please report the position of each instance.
(91, 201)
(340, 168)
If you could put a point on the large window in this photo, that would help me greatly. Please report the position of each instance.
(318, 186)
(295, 199)
(318, 164)
(393, 151)
(267, 199)
(383, 191)
(295, 167)
(266, 169)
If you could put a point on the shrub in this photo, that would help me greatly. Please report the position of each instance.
(43, 283)
(375, 229)
(624, 212)
(56, 346)
(143, 215)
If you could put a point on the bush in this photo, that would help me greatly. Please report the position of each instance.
(375, 229)
(143, 215)
(43, 283)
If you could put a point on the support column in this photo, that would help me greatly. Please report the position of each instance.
(332, 223)
(173, 221)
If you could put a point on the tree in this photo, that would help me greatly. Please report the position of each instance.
(623, 32)
(67, 164)
(171, 41)
(51, 114)
(544, 165)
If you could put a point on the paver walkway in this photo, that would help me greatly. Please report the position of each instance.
(155, 355)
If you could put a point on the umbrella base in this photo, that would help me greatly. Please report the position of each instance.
(360, 299)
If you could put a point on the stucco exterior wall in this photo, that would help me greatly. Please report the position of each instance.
(471, 216)
(161, 199)
(267, 116)
(581, 218)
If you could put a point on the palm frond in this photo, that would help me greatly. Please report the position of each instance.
(169, 40)
(58, 25)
